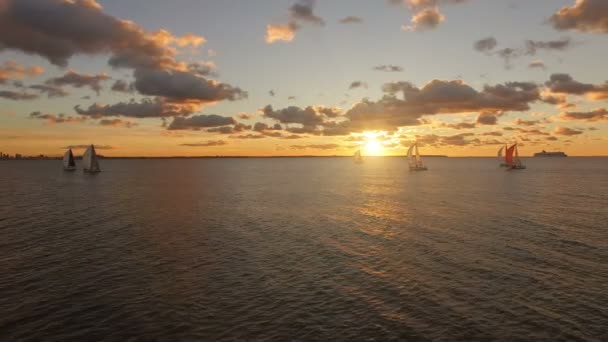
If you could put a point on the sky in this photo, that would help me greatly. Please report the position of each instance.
(303, 77)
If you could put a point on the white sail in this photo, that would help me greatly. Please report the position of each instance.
(68, 160)
(409, 153)
(358, 157)
(89, 160)
(414, 159)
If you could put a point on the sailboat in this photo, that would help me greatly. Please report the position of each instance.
(414, 159)
(501, 158)
(512, 159)
(89, 160)
(69, 164)
(358, 157)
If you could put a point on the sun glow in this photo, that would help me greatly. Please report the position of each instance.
(373, 147)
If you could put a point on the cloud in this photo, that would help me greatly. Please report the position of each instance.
(565, 84)
(303, 11)
(207, 143)
(526, 122)
(11, 70)
(351, 20)
(50, 90)
(277, 33)
(122, 87)
(246, 116)
(388, 68)
(460, 125)
(79, 80)
(146, 108)
(357, 84)
(56, 118)
(315, 146)
(461, 139)
(248, 136)
(426, 19)
(182, 86)
(238, 127)
(426, 12)
(80, 27)
(560, 130)
(487, 119)
(600, 114)
(583, 16)
(197, 122)
(560, 45)
(17, 96)
(117, 123)
(84, 146)
(271, 92)
(437, 97)
(485, 44)
(299, 13)
(537, 65)
(292, 114)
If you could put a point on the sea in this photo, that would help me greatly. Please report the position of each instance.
(304, 249)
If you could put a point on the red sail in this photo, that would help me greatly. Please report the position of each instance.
(509, 155)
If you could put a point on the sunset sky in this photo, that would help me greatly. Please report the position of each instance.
(289, 77)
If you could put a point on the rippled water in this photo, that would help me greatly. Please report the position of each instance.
(301, 249)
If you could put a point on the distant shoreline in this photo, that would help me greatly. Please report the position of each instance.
(275, 157)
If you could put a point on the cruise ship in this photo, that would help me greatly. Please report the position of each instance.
(550, 154)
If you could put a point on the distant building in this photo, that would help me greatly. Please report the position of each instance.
(18, 156)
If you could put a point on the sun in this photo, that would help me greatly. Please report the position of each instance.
(373, 147)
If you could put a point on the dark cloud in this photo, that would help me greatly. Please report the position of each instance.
(271, 93)
(486, 44)
(303, 11)
(565, 84)
(11, 70)
(521, 122)
(56, 118)
(238, 127)
(50, 90)
(77, 80)
(460, 125)
(246, 116)
(388, 68)
(351, 20)
(438, 97)
(58, 29)
(315, 146)
(292, 114)
(536, 65)
(248, 136)
(183, 86)
(357, 84)
(122, 87)
(146, 108)
(487, 119)
(197, 122)
(495, 134)
(207, 143)
(600, 114)
(560, 130)
(461, 139)
(117, 123)
(584, 16)
(533, 45)
(299, 13)
(17, 96)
